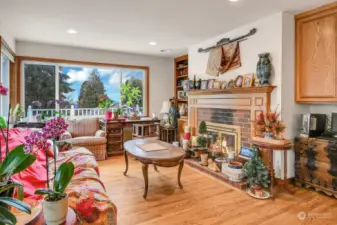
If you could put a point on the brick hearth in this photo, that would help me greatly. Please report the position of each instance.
(218, 175)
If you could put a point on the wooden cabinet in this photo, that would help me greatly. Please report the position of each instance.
(114, 135)
(316, 51)
(316, 164)
(181, 126)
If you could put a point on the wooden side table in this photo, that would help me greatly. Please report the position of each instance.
(168, 134)
(271, 147)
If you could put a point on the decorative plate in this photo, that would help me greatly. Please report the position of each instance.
(265, 194)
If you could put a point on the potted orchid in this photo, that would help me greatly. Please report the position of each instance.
(105, 104)
(55, 203)
(14, 162)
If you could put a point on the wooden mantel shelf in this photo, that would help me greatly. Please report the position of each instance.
(266, 89)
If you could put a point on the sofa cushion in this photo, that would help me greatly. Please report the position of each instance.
(83, 127)
(85, 141)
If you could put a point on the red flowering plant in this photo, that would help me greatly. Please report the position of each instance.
(269, 122)
(105, 103)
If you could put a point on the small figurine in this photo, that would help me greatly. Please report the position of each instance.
(213, 166)
(263, 70)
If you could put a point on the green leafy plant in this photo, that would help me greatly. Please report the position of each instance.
(105, 103)
(3, 122)
(202, 128)
(130, 95)
(14, 162)
(256, 171)
(202, 141)
(62, 178)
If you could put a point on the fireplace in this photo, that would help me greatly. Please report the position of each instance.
(229, 115)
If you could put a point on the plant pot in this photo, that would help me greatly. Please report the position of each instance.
(116, 115)
(55, 213)
(108, 115)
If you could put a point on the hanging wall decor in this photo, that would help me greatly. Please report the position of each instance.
(225, 55)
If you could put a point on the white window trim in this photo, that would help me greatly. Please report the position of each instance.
(58, 65)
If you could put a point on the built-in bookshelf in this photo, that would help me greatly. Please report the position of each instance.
(180, 74)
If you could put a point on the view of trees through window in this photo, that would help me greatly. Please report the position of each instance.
(82, 86)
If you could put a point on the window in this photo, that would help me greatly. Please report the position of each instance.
(65, 86)
(7, 59)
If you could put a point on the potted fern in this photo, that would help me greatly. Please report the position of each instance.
(202, 143)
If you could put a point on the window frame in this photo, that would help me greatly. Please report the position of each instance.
(22, 60)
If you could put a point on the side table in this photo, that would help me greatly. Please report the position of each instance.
(270, 148)
(168, 134)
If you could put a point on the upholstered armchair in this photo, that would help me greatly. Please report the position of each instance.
(86, 133)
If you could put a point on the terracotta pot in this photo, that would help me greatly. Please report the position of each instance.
(55, 213)
(108, 115)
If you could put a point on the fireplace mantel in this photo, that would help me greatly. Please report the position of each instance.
(255, 100)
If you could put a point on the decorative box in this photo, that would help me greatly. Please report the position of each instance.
(234, 174)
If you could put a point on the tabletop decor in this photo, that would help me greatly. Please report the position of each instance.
(270, 125)
(105, 103)
(257, 175)
(238, 81)
(264, 69)
(210, 83)
(224, 85)
(230, 84)
(204, 84)
(217, 85)
(248, 80)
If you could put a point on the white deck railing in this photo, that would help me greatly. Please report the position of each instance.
(72, 112)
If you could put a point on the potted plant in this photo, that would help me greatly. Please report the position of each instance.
(55, 204)
(256, 172)
(105, 103)
(202, 143)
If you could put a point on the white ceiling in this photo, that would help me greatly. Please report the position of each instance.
(129, 25)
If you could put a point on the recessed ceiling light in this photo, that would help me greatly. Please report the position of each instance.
(153, 43)
(233, 0)
(165, 50)
(71, 31)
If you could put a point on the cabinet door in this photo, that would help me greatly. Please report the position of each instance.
(316, 57)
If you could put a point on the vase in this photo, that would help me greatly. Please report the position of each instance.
(55, 213)
(198, 84)
(108, 115)
(268, 135)
(263, 70)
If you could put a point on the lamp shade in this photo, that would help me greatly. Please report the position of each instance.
(166, 107)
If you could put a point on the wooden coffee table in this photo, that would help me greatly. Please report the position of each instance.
(170, 157)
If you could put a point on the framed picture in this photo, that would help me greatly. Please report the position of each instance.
(204, 84)
(256, 81)
(186, 85)
(210, 83)
(248, 80)
(246, 153)
(230, 84)
(238, 81)
(224, 84)
(217, 84)
(181, 95)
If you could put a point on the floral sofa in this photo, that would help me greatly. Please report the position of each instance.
(86, 191)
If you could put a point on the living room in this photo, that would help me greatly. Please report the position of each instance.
(178, 112)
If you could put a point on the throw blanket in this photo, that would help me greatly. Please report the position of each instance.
(33, 177)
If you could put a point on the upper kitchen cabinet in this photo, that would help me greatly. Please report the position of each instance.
(316, 51)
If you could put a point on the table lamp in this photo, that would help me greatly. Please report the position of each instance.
(165, 110)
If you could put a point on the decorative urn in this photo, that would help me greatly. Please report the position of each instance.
(263, 70)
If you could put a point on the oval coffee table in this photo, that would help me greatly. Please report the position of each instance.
(168, 156)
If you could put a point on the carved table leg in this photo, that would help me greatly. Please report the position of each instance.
(155, 168)
(146, 178)
(126, 162)
(181, 165)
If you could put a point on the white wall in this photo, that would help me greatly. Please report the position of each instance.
(7, 36)
(267, 39)
(276, 35)
(161, 69)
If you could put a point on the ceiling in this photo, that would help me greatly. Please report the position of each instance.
(129, 25)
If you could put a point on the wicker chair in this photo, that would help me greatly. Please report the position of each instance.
(86, 133)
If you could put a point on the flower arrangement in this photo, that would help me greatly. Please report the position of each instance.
(55, 203)
(269, 122)
(105, 103)
(3, 90)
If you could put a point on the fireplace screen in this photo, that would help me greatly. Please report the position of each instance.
(224, 138)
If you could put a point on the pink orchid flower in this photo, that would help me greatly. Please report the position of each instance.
(3, 90)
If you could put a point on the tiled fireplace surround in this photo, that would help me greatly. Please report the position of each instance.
(235, 107)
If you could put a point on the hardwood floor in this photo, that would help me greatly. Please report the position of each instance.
(204, 200)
